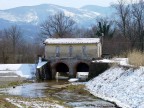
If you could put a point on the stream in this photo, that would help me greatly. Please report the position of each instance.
(35, 90)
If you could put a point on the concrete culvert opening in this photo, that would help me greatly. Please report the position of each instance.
(82, 67)
(82, 71)
(62, 68)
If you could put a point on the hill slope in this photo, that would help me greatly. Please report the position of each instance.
(29, 17)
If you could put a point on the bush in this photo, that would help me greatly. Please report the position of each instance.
(136, 58)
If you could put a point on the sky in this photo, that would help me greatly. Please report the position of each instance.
(6, 4)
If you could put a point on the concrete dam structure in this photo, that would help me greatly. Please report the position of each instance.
(70, 55)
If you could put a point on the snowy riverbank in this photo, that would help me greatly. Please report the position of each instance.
(124, 86)
(17, 70)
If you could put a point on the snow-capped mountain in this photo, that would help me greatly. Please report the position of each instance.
(105, 11)
(29, 17)
(35, 14)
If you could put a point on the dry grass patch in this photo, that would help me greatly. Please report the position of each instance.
(8, 101)
(136, 58)
(80, 89)
(5, 104)
(5, 84)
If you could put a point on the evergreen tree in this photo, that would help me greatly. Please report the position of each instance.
(104, 29)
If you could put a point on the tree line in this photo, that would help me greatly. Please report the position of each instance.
(120, 33)
(15, 49)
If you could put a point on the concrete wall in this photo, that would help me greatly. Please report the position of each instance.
(80, 53)
(71, 64)
(91, 50)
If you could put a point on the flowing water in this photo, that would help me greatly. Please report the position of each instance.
(34, 90)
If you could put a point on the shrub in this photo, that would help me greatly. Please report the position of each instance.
(136, 58)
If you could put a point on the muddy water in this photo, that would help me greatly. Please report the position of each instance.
(53, 88)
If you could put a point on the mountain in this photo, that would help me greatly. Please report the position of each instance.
(105, 11)
(29, 17)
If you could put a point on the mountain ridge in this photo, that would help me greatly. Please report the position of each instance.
(33, 16)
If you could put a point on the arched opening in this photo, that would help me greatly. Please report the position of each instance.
(62, 68)
(82, 71)
(82, 67)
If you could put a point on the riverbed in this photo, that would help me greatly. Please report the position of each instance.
(59, 91)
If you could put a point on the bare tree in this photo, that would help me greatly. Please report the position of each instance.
(138, 17)
(83, 33)
(13, 35)
(123, 12)
(126, 22)
(57, 25)
(15, 49)
(5, 48)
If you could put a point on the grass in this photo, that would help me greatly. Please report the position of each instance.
(80, 89)
(5, 84)
(10, 84)
(20, 100)
(4, 103)
(77, 89)
(136, 58)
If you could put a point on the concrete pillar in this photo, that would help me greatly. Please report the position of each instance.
(71, 74)
(53, 72)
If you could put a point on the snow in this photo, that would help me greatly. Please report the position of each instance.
(105, 61)
(124, 86)
(73, 80)
(82, 75)
(33, 103)
(7, 76)
(40, 64)
(71, 40)
(28, 17)
(120, 61)
(34, 16)
(68, 13)
(23, 70)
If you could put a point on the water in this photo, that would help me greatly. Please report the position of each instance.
(34, 90)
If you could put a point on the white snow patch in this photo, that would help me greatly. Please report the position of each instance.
(71, 40)
(7, 76)
(68, 13)
(14, 103)
(120, 61)
(33, 103)
(40, 64)
(123, 86)
(28, 17)
(23, 70)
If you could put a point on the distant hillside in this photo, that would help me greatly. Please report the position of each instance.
(105, 11)
(29, 17)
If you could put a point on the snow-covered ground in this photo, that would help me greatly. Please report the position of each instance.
(120, 61)
(22, 70)
(124, 86)
(33, 103)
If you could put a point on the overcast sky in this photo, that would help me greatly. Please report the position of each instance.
(6, 4)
